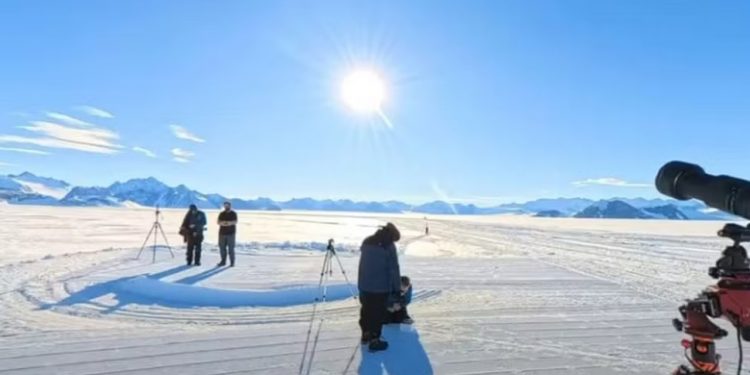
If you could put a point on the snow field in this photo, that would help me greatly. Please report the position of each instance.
(493, 296)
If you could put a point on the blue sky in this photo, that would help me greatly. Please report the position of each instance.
(491, 101)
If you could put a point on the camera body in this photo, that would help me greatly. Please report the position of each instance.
(730, 297)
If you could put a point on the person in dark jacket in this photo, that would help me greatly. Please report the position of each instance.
(227, 232)
(397, 312)
(193, 225)
(379, 278)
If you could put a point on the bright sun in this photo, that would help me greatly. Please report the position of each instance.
(363, 91)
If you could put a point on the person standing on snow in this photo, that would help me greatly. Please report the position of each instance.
(379, 279)
(193, 225)
(227, 231)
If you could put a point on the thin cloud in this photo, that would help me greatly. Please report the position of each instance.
(609, 181)
(182, 133)
(4, 164)
(69, 120)
(144, 151)
(182, 153)
(96, 112)
(24, 150)
(182, 156)
(53, 135)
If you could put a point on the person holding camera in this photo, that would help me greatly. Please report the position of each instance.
(379, 279)
(227, 231)
(192, 229)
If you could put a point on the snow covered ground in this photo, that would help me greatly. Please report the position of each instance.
(494, 295)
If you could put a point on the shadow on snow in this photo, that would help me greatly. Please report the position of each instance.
(405, 354)
(183, 293)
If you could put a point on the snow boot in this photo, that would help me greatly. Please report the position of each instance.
(366, 338)
(377, 345)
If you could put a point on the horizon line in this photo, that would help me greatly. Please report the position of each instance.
(412, 201)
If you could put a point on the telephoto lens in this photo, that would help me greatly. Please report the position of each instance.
(683, 181)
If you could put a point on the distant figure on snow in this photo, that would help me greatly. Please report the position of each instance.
(192, 229)
(379, 279)
(397, 304)
(227, 232)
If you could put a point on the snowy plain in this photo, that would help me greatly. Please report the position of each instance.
(493, 295)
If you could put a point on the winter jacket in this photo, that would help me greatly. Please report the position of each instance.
(378, 268)
(198, 219)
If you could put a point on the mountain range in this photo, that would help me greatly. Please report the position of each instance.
(27, 188)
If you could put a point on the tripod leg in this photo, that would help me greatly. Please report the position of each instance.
(343, 272)
(145, 242)
(312, 318)
(328, 272)
(164, 235)
(153, 250)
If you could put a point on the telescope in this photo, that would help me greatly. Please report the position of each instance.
(730, 297)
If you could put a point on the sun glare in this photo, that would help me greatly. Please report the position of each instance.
(363, 91)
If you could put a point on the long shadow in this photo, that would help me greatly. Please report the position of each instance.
(405, 354)
(169, 272)
(190, 280)
(92, 292)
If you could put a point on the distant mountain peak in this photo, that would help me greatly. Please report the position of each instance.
(28, 188)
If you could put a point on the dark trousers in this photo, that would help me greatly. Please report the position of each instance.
(226, 242)
(194, 249)
(396, 316)
(372, 313)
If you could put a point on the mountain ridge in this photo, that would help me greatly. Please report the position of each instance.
(27, 188)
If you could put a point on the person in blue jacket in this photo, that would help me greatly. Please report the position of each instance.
(192, 228)
(379, 278)
(397, 312)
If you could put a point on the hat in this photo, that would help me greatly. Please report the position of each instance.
(392, 231)
(193, 207)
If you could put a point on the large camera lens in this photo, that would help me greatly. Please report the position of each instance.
(684, 181)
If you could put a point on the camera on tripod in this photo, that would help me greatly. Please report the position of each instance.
(730, 297)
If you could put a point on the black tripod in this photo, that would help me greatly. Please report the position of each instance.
(325, 273)
(155, 230)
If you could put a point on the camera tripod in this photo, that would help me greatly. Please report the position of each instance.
(729, 299)
(325, 273)
(154, 231)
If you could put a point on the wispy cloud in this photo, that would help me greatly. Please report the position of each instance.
(609, 181)
(53, 135)
(4, 164)
(96, 112)
(24, 150)
(182, 156)
(182, 133)
(144, 151)
(69, 120)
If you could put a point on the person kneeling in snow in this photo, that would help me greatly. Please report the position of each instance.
(397, 304)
